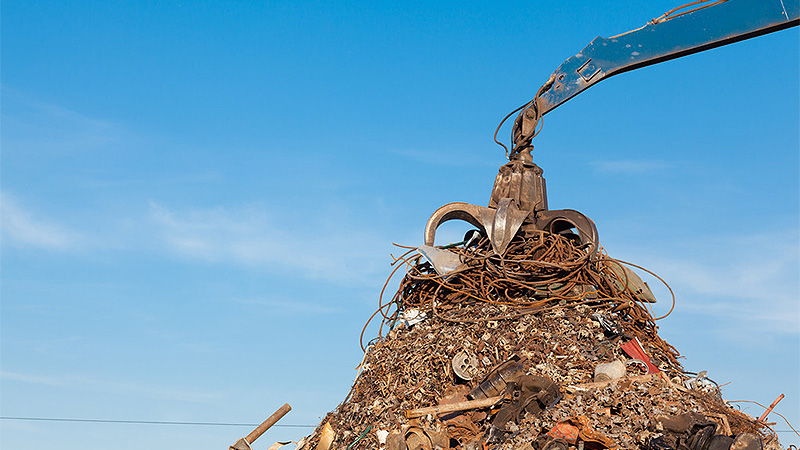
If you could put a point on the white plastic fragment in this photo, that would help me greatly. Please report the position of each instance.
(382, 435)
(413, 316)
(609, 371)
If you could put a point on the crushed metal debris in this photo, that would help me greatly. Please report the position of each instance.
(527, 335)
(552, 345)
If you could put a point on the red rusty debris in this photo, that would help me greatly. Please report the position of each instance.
(634, 349)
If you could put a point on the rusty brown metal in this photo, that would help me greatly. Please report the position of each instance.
(244, 443)
(521, 180)
(518, 201)
(454, 407)
(774, 403)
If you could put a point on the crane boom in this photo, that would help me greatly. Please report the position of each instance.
(670, 36)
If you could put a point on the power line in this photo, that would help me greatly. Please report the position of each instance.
(157, 422)
(148, 422)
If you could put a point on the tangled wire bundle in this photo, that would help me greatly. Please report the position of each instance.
(539, 272)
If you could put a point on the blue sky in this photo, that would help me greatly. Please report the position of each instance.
(199, 198)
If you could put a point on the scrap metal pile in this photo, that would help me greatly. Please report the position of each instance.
(549, 346)
(526, 336)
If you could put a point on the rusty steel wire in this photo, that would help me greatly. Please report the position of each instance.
(771, 412)
(671, 14)
(539, 272)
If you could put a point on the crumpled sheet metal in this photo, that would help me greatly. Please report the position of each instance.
(326, 437)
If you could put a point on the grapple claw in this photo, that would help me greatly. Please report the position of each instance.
(564, 220)
(518, 200)
(500, 224)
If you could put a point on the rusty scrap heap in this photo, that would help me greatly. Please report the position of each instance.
(527, 335)
(551, 346)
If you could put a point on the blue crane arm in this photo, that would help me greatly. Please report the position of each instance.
(671, 36)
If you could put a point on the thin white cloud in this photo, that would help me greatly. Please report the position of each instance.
(32, 379)
(439, 157)
(323, 249)
(290, 306)
(21, 228)
(317, 246)
(33, 126)
(629, 166)
(752, 280)
(116, 387)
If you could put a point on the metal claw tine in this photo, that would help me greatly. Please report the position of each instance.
(519, 197)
